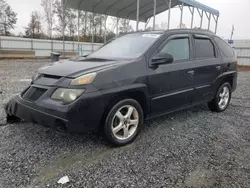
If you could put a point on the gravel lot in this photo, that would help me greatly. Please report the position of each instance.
(191, 148)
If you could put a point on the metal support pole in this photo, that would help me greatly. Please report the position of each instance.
(117, 26)
(64, 7)
(169, 12)
(32, 44)
(201, 19)
(52, 46)
(78, 28)
(128, 22)
(101, 25)
(92, 40)
(181, 7)
(192, 19)
(232, 33)
(105, 29)
(146, 24)
(154, 14)
(209, 20)
(51, 23)
(138, 15)
(216, 25)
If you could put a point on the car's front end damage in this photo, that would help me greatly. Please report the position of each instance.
(75, 117)
(63, 100)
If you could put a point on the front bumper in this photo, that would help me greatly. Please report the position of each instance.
(83, 115)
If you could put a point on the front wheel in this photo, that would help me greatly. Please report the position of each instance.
(222, 98)
(123, 122)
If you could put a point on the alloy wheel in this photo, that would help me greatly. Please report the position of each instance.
(125, 122)
(224, 97)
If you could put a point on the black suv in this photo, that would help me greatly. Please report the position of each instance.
(132, 78)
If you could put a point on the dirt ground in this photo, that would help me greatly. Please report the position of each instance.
(243, 68)
(190, 148)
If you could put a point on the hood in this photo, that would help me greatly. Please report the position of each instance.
(74, 68)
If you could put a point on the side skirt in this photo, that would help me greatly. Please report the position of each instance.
(176, 110)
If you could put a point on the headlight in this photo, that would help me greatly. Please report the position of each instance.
(66, 95)
(36, 76)
(83, 80)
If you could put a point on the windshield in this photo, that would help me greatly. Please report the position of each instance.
(127, 46)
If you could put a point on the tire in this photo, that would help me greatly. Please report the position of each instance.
(123, 123)
(216, 104)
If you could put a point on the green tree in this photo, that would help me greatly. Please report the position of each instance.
(97, 25)
(49, 14)
(34, 28)
(84, 24)
(70, 17)
(72, 25)
(124, 26)
(8, 18)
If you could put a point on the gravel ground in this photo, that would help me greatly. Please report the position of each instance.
(191, 148)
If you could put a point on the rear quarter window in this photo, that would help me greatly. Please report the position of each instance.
(225, 48)
(204, 48)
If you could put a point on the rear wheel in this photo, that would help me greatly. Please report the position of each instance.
(222, 98)
(123, 122)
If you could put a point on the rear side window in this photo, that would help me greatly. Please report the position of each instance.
(226, 48)
(178, 48)
(204, 48)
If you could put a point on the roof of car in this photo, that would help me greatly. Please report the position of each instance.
(197, 31)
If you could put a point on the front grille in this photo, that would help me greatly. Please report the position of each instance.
(33, 93)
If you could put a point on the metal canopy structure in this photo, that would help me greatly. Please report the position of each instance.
(141, 10)
(127, 9)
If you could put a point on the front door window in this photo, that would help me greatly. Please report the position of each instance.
(178, 48)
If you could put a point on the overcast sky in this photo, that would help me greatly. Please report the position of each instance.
(235, 12)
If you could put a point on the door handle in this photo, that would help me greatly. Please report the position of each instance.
(218, 67)
(191, 72)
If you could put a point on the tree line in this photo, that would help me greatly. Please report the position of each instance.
(50, 24)
(8, 18)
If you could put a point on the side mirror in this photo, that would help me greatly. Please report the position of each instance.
(161, 59)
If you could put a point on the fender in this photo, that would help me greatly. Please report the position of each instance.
(223, 76)
(123, 90)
